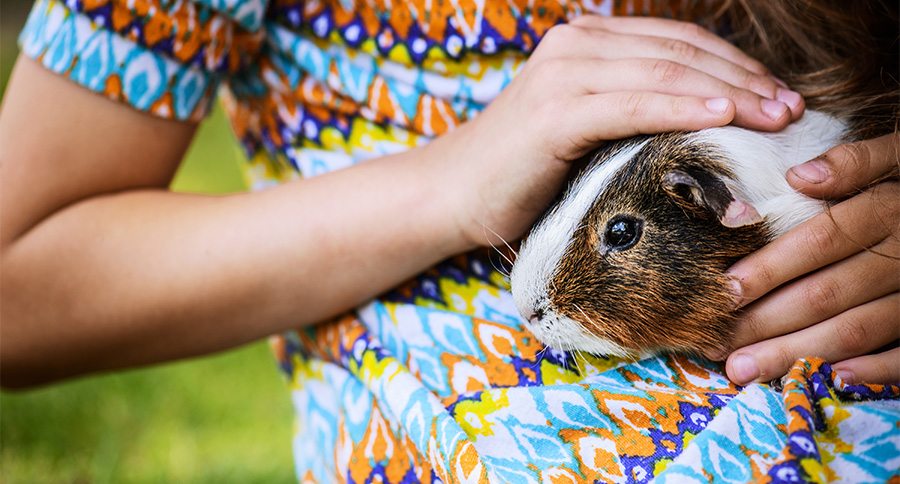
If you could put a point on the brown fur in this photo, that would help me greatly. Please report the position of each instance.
(669, 290)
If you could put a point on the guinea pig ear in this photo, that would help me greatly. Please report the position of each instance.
(708, 191)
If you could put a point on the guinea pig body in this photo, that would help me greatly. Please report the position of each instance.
(632, 258)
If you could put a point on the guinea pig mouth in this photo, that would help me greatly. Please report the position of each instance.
(561, 332)
(542, 323)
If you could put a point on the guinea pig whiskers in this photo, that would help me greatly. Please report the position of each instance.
(485, 227)
(552, 343)
(540, 356)
(506, 273)
(576, 354)
(586, 317)
(566, 353)
(502, 271)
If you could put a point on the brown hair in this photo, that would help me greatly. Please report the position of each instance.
(841, 55)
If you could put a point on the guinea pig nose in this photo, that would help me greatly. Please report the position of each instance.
(536, 316)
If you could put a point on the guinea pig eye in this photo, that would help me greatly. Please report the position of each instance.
(622, 232)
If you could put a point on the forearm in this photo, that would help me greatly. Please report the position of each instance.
(146, 276)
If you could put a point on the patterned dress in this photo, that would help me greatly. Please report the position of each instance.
(439, 380)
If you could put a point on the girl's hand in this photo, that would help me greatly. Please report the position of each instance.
(592, 80)
(829, 287)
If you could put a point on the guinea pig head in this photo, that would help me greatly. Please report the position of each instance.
(632, 258)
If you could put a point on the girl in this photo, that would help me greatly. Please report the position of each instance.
(375, 105)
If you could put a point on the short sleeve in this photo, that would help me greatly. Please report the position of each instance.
(164, 57)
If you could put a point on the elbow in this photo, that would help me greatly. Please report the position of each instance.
(21, 368)
(25, 361)
(14, 379)
(20, 373)
(13, 382)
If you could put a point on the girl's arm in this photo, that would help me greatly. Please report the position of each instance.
(102, 267)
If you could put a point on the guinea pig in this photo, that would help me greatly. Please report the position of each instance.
(632, 258)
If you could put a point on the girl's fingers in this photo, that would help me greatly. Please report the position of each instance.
(855, 224)
(594, 76)
(877, 368)
(847, 168)
(572, 42)
(819, 296)
(719, 68)
(633, 46)
(598, 117)
(847, 335)
(672, 29)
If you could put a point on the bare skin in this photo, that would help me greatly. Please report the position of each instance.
(103, 267)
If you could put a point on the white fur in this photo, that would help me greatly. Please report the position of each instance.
(759, 161)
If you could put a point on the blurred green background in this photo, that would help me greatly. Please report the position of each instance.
(224, 418)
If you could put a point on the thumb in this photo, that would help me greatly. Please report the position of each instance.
(847, 168)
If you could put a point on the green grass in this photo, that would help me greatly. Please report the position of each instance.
(213, 162)
(224, 418)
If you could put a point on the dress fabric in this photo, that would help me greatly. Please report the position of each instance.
(439, 380)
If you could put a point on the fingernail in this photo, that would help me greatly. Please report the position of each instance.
(737, 292)
(813, 171)
(775, 110)
(790, 98)
(718, 105)
(744, 369)
(847, 376)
